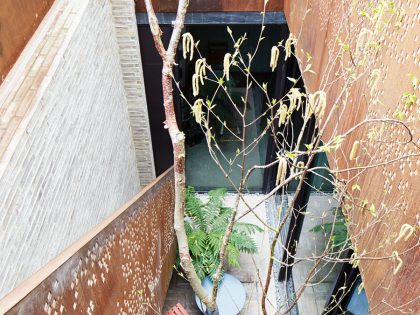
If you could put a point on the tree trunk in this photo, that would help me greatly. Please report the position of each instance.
(177, 139)
(178, 143)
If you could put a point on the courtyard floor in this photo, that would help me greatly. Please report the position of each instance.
(254, 267)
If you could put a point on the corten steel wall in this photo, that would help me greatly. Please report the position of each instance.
(122, 266)
(213, 5)
(394, 188)
(18, 21)
(70, 126)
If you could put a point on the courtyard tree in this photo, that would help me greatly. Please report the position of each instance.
(351, 61)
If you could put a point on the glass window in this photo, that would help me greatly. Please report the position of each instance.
(358, 303)
(201, 170)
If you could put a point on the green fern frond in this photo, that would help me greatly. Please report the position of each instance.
(210, 262)
(188, 227)
(248, 228)
(337, 230)
(224, 209)
(232, 255)
(243, 243)
(197, 241)
(193, 208)
(215, 241)
(199, 268)
(222, 221)
(206, 224)
(212, 208)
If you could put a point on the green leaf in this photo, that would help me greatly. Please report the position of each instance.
(308, 67)
(247, 228)
(205, 225)
(197, 242)
(399, 115)
(215, 242)
(337, 231)
(232, 255)
(309, 146)
(372, 210)
(325, 148)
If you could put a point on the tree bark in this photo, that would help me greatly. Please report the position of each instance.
(177, 139)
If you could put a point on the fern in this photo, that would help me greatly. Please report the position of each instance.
(197, 242)
(336, 230)
(212, 209)
(232, 255)
(215, 241)
(247, 228)
(221, 222)
(243, 242)
(205, 225)
(193, 207)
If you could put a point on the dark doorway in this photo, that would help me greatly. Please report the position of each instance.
(214, 43)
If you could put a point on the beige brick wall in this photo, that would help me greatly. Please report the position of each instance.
(128, 41)
(67, 155)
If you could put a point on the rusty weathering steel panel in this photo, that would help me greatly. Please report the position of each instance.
(18, 21)
(123, 266)
(392, 188)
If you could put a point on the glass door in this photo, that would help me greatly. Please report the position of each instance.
(201, 170)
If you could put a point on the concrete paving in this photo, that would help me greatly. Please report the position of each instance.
(319, 287)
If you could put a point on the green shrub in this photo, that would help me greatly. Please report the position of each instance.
(206, 223)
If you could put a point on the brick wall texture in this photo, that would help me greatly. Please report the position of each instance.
(67, 150)
(129, 49)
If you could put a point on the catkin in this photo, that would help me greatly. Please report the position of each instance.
(195, 83)
(317, 102)
(274, 58)
(354, 261)
(200, 69)
(282, 114)
(288, 45)
(226, 66)
(281, 170)
(187, 45)
(197, 110)
(191, 48)
(374, 79)
(295, 99)
(321, 104)
(354, 150)
(198, 64)
(405, 232)
(400, 262)
(363, 39)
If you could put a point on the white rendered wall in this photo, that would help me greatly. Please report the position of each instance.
(70, 158)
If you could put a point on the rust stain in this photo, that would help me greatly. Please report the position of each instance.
(19, 19)
(392, 188)
(124, 269)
